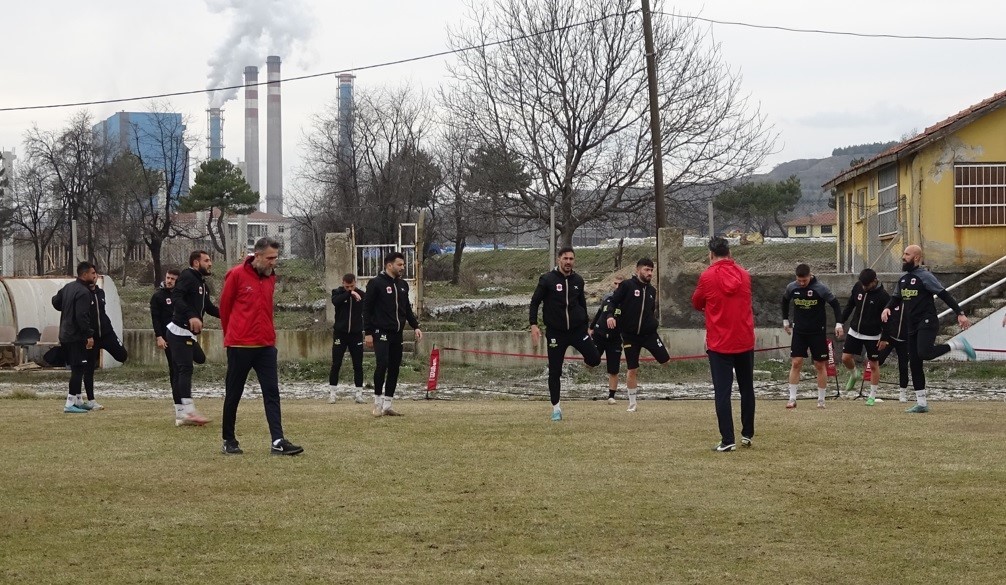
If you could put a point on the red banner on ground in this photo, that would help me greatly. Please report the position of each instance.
(868, 372)
(431, 382)
(831, 360)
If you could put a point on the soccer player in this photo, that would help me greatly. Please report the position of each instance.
(246, 314)
(810, 320)
(866, 302)
(895, 339)
(386, 310)
(191, 301)
(608, 341)
(724, 296)
(161, 312)
(565, 315)
(347, 333)
(633, 310)
(914, 293)
(77, 332)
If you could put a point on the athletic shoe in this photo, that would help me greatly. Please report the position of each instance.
(917, 409)
(968, 350)
(359, 399)
(871, 401)
(820, 404)
(92, 405)
(724, 448)
(231, 448)
(791, 404)
(854, 377)
(632, 407)
(193, 419)
(332, 397)
(611, 401)
(745, 441)
(74, 409)
(556, 415)
(83, 405)
(902, 398)
(284, 447)
(377, 411)
(392, 412)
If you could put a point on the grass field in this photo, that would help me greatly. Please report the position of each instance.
(489, 491)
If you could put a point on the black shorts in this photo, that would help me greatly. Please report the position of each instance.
(855, 345)
(817, 343)
(611, 349)
(633, 344)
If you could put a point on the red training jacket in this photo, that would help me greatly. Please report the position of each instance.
(246, 307)
(724, 294)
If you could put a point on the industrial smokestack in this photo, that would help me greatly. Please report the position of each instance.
(345, 117)
(251, 127)
(274, 140)
(215, 131)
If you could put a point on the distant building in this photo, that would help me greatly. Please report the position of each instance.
(259, 224)
(157, 138)
(819, 225)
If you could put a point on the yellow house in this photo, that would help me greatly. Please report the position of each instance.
(944, 189)
(819, 225)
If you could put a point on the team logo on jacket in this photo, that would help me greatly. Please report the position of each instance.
(810, 293)
(200, 290)
(390, 290)
(167, 301)
(913, 281)
(859, 297)
(558, 288)
(636, 292)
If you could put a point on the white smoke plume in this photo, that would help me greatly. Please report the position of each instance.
(258, 28)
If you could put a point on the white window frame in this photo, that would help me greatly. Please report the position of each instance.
(887, 201)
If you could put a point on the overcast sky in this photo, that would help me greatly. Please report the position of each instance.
(819, 91)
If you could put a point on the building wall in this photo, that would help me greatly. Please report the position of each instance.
(143, 133)
(813, 231)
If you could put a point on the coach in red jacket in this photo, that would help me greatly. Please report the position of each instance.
(724, 295)
(246, 313)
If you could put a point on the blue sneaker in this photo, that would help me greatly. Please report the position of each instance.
(74, 409)
(556, 415)
(968, 350)
(918, 408)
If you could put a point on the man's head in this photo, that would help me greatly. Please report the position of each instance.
(912, 258)
(349, 281)
(802, 274)
(170, 277)
(617, 280)
(394, 264)
(718, 248)
(87, 273)
(644, 270)
(266, 255)
(868, 278)
(565, 259)
(201, 262)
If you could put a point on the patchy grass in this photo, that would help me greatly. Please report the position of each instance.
(491, 492)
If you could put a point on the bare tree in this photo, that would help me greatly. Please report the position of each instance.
(569, 96)
(36, 207)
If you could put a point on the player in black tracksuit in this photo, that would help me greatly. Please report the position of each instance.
(565, 315)
(607, 341)
(810, 321)
(865, 329)
(77, 332)
(347, 333)
(895, 338)
(161, 312)
(104, 339)
(386, 310)
(191, 301)
(633, 310)
(914, 293)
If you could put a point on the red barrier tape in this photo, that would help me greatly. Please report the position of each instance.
(545, 357)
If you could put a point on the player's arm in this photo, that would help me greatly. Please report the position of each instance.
(227, 296)
(536, 299)
(699, 296)
(850, 306)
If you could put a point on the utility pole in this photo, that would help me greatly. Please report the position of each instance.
(651, 76)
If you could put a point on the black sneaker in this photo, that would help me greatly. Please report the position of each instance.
(721, 447)
(284, 447)
(231, 448)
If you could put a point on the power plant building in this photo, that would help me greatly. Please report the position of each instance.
(157, 138)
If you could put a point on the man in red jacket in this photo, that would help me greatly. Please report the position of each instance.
(246, 313)
(724, 295)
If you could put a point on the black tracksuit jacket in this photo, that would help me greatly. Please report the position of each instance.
(865, 308)
(600, 325)
(161, 311)
(565, 305)
(633, 305)
(348, 310)
(73, 302)
(191, 298)
(386, 305)
(810, 315)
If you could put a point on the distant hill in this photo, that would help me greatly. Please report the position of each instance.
(812, 172)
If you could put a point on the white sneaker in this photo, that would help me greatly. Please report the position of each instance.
(632, 407)
(332, 396)
(359, 399)
(94, 405)
(820, 404)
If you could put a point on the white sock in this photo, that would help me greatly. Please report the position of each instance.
(955, 344)
(78, 399)
(387, 403)
(792, 392)
(820, 394)
(920, 397)
(903, 394)
(71, 399)
(378, 400)
(873, 391)
(188, 407)
(632, 396)
(179, 411)
(555, 407)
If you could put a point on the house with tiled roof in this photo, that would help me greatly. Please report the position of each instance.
(819, 225)
(944, 189)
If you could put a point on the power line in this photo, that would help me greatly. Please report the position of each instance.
(327, 73)
(831, 32)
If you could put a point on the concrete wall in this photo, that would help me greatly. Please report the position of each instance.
(339, 260)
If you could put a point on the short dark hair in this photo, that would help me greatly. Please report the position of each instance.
(644, 262)
(173, 271)
(802, 270)
(390, 257)
(867, 276)
(196, 255)
(348, 277)
(266, 242)
(565, 249)
(719, 246)
(84, 267)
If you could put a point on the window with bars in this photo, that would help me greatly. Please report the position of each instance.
(979, 194)
(887, 201)
(861, 203)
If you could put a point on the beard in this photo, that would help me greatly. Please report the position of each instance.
(908, 266)
(204, 271)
